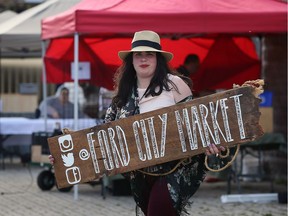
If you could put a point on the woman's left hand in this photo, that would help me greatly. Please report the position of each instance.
(213, 149)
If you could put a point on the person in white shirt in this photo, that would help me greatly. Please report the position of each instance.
(145, 83)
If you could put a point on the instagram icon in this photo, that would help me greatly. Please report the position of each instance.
(65, 143)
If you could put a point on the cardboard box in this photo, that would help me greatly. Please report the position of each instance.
(266, 119)
(10, 102)
(37, 156)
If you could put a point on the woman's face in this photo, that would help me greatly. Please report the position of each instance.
(145, 64)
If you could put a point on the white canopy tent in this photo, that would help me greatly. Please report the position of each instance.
(20, 36)
(5, 15)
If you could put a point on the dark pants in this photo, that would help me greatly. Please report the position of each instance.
(160, 202)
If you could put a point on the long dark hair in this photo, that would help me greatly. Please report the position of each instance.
(125, 79)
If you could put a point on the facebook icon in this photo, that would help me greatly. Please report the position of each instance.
(73, 175)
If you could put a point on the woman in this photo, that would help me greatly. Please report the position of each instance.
(144, 83)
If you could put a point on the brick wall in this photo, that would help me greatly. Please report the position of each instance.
(274, 71)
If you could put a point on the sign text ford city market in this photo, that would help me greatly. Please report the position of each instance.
(167, 134)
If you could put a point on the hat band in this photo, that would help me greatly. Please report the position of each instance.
(146, 43)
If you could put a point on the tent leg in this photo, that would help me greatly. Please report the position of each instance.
(44, 84)
(76, 69)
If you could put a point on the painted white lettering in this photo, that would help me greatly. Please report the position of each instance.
(103, 141)
(204, 114)
(135, 126)
(93, 152)
(153, 136)
(114, 148)
(216, 127)
(180, 131)
(146, 140)
(224, 108)
(122, 139)
(193, 145)
(163, 118)
(196, 122)
(239, 115)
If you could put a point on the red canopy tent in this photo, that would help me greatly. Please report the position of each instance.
(225, 60)
(112, 17)
(106, 26)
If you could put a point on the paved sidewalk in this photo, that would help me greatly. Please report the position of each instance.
(20, 196)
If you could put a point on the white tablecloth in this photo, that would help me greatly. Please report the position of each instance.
(17, 131)
(18, 125)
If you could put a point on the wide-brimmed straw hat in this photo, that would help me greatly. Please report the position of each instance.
(145, 41)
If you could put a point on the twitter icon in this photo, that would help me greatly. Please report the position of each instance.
(68, 159)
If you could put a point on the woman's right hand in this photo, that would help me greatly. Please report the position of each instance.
(51, 159)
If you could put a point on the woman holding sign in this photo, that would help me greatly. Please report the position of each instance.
(144, 83)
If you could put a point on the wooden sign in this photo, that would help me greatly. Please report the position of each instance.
(176, 132)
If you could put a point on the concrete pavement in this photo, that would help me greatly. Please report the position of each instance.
(20, 195)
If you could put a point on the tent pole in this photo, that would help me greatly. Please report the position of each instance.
(261, 55)
(1, 77)
(76, 68)
(44, 83)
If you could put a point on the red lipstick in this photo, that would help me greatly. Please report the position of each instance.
(144, 66)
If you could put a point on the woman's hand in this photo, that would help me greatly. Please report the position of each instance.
(213, 149)
(51, 159)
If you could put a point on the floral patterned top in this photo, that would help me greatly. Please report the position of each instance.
(181, 184)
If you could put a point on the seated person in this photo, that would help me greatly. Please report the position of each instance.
(190, 66)
(60, 106)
